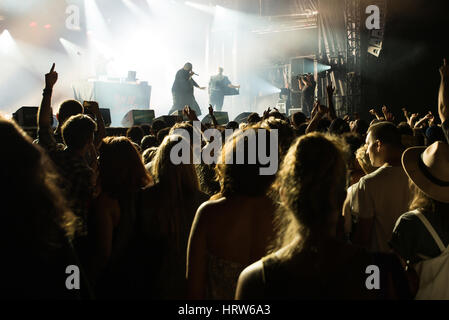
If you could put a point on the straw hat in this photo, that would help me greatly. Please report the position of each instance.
(429, 169)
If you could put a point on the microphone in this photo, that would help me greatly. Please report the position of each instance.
(193, 73)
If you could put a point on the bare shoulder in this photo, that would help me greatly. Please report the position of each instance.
(251, 282)
(210, 207)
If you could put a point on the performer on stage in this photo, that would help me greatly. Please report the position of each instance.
(307, 86)
(218, 87)
(182, 90)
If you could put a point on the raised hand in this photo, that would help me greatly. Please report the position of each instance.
(211, 110)
(431, 120)
(93, 106)
(190, 113)
(315, 108)
(51, 78)
(330, 90)
(443, 93)
(406, 114)
(322, 110)
(385, 111)
(444, 69)
(428, 116)
(266, 113)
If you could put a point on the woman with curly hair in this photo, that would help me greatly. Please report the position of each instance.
(308, 261)
(234, 228)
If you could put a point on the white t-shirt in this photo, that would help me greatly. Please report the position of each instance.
(383, 195)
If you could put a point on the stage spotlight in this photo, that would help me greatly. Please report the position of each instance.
(33, 24)
(6, 42)
(47, 26)
(323, 67)
(72, 49)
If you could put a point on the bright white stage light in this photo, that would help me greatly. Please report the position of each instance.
(201, 7)
(135, 9)
(74, 51)
(95, 21)
(7, 44)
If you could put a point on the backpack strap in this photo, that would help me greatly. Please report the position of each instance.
(431, 230)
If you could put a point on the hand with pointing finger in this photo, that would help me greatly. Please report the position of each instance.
(51, 78)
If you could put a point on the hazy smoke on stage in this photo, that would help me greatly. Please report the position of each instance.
(152, 37)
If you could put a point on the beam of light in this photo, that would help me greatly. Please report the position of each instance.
(95, 21)
(262, 87)
(7, 43)
(73, 50)
(202, 7)
(138, 12)
(323, 67)
(162, 8)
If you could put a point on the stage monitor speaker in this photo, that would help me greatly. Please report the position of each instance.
(180, 114)
(293, 111)
(221, 116)
(138, 117)
(26, 116)
(243, 117)
(106, 114)
(169, 120)
(300, 66)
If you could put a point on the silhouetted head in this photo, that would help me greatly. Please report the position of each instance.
(177, 177)
(158, 125)
(148, 142)
(298, 118)
(244, 178)
(78, 132)
(253, 118)
(384, 143)
(67, 109)
(232, 125)
(135, 134)
(121, 167)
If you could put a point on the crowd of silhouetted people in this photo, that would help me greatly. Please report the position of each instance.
(349, 194)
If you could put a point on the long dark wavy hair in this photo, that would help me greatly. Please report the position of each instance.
(34, 210)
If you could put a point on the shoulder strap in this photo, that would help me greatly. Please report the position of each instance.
(431, 230)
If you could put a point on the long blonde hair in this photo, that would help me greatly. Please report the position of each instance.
(310, 186)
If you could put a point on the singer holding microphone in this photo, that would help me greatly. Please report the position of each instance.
(182, 90)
